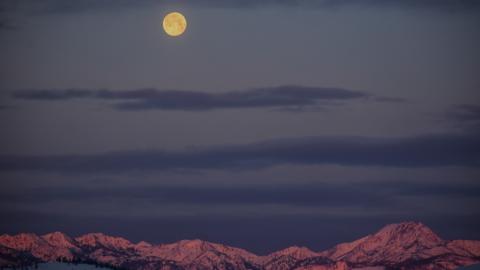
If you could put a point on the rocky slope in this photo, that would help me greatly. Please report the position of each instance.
(408, 245)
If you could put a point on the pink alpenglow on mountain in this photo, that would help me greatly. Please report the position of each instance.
(404, 246)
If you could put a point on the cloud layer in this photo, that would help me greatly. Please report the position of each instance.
(68, 6)
(328, 194)
(149, 99)
(419, 151)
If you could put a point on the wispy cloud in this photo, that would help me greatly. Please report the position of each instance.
(419, 151)
(153, 99)
(465, 112)
(465, 116)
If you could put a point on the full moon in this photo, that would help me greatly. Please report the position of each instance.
(174, 24)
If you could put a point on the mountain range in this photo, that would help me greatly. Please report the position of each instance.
(407, 245)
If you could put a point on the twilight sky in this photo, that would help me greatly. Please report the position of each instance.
(269, 123)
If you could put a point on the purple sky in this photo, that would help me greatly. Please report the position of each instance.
(269, 123)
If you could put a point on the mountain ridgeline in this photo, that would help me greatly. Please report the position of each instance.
(408, 245)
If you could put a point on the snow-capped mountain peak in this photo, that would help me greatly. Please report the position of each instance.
(409, 232)
(100, 239)
(405, 246)
(22, 241)
(59, 239)
(295, 252)
(143, 245)
(395, 244)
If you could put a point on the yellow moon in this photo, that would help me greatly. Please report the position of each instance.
(174, 24)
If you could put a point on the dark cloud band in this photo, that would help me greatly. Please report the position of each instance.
(69, 6)
(420, 151)
(148, 99)
(366, 193)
